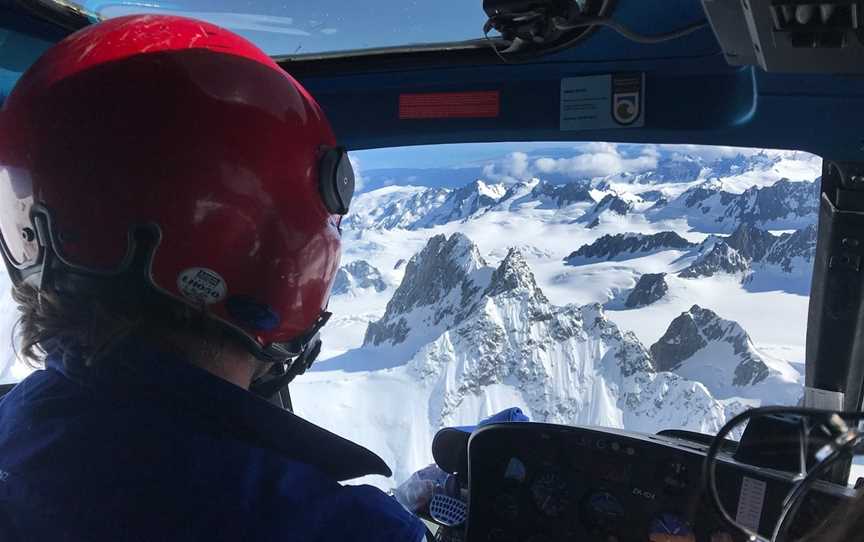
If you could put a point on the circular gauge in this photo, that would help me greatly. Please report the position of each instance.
(675, 477)
(550, 493)
(507, 506)
(670, 528)
(602, 510)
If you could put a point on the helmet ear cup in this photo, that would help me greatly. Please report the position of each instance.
(337, 180)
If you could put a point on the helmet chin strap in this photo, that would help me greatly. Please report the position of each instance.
(273, 385)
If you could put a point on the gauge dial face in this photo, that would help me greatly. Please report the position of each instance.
(550, 493)
(675, 478)
(670, 528)
(603, 509)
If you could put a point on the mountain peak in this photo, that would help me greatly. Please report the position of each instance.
(650, 287)
(692, 334)
(750, 241)
(718, 257)
(514, 275)
(358, 274)
(627, 245)
(563, 194)
(444, 266)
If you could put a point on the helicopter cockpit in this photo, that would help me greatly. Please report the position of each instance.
(653, 82)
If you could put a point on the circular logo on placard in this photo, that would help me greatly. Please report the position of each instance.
(202, 285)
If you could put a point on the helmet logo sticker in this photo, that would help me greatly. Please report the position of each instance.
(202, 285)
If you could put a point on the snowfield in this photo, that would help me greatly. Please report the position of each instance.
(466, 302)
(431, 379)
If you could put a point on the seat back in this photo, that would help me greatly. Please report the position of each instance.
(5, 388)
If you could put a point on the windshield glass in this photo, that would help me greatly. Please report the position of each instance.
(647, 287)
(323, 26)
(637, 286)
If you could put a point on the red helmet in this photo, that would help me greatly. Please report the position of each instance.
(180, 132)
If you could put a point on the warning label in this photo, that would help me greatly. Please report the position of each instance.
(602, 102)
(201, 284)
(450, 105)
(750, 503)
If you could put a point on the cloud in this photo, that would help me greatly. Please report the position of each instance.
(359, 181)
(599, 160)
(512, 168)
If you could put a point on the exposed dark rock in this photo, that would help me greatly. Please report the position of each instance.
(563, 194)
(514, 275)
(694, 330)
(615, 204)
(358, 274)
(720, 258)
(758, 205)
(799, 244)
(681, 340)
(652, 195)
(444, 265)
(751, 242)
(750, 247)
(610, 246)
(650, 288)
(783, 203)
(611, 203)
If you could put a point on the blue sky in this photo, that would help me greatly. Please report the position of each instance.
(443, 156)
(285, 27)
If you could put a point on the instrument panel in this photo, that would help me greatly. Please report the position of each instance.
(539, 482)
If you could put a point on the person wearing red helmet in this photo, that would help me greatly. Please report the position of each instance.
(170, 208)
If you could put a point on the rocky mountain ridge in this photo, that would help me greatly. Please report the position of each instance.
(700, 345)
(628, 245)
(709, 207)
(650, 288)
(476, 328)
(358, 275)
(751, 249)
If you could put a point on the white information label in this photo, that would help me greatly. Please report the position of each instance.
(750, 503)
(603, 102)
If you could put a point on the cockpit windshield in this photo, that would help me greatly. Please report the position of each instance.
(288, 28)
(647, 287)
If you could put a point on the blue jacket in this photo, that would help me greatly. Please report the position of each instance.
(149, 448)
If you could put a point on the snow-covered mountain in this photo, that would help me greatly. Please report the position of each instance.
(357, 276)
(414, 208)
(751, 251)
(716, 256)
(611, 207)
(701, 346)
(566, 364)
(439, 284)
(628, 245)
(710, 207)
(684, 167)
(473, 330)
(393, 207)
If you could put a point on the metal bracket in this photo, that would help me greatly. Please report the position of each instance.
(823, 399)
